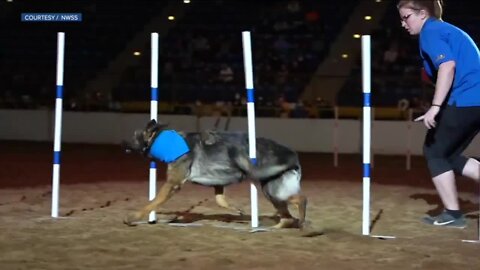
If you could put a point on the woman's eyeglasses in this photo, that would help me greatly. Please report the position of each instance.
(405, 18)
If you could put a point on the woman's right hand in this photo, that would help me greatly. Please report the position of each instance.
(429, 117)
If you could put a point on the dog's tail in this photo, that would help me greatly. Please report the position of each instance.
(261, 172)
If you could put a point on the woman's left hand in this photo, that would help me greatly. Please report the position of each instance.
(429, 117)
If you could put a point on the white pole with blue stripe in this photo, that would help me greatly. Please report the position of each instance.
(367, 136)
(247, 60)
(58, 124)
(153, 115)
(366, 80)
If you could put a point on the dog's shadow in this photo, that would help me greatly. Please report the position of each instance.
(190, 217)
(187, 216)
(467, 206)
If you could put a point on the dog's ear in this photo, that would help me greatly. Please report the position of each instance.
(151, 124)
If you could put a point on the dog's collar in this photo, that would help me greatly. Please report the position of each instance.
(168, 146)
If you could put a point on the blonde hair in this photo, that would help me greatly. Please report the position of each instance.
(433, 7)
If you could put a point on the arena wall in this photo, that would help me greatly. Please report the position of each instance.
(304, 135)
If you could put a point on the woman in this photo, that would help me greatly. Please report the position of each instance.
(452, 60)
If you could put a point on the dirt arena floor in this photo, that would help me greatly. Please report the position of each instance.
(100, 184)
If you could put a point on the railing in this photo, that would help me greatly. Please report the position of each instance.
(284, 111)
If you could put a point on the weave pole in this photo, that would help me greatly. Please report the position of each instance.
(247, 60)
(152, 190)
(58, 124)
(367, 136)
(366, 84)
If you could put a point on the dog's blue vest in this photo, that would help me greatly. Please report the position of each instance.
(169, 146)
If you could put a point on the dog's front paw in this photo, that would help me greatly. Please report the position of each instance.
(240, 211)
(286, 223)
(131, 219)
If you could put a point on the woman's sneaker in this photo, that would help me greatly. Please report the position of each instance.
(446, 220)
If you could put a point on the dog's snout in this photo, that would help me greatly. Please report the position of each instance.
(126, 146)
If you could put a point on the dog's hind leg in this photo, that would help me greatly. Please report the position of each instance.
(286, 219)
(222, 201)
(300, 201)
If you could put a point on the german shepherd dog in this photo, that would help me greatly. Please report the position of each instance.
(218, 159)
